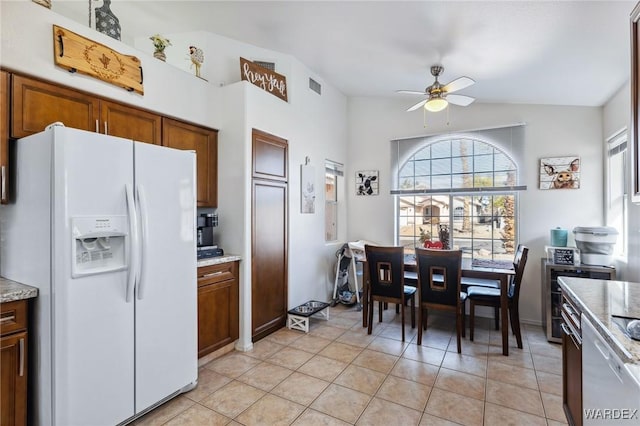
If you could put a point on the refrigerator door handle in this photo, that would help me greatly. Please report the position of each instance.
(134, 246)
(142, 204)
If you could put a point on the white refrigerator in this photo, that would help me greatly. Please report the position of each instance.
(104, 227)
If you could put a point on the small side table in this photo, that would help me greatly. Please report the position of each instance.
(298, 317)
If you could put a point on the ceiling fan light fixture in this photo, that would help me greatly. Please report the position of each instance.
(436, 104)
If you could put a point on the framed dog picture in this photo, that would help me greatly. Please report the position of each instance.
(560, 172)
(367, 182)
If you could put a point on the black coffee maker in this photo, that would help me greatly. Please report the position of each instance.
(206, 245)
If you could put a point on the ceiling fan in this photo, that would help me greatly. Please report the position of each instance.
(439, 95)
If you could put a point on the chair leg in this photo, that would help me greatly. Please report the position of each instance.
(496, 317)
(426, 318)
(370, 316)
(515, 315)
(413, 311)
(472, 315)
(464, 319)
(459, 329)
(402, 319)
(397, 308)
(420, 319)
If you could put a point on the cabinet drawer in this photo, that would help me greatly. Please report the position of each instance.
(13, 316)
(217, 273)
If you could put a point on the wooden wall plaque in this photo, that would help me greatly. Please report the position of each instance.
(268, 80)
(79, 54)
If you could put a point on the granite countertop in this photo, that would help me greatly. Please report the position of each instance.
(218, 259)
(599, 300)
(11, 290)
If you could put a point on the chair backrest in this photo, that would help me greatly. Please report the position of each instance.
(439, 273)
(519, 262)
(386, 270)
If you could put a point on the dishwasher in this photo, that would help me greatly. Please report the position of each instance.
(611, 394)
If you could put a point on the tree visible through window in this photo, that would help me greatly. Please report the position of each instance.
(459, 192)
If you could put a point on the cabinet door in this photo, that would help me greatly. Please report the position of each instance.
(217, 316)
(13, 380)
(270, 156)
(204, 141)
(268, 257)
(4, 137)
(35, 104)
(131, 123)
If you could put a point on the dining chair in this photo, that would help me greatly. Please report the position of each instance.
(439, 273)
(486, 296)
(386, 282)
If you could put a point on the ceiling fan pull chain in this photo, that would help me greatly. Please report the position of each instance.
(448, 108)
(424, 113)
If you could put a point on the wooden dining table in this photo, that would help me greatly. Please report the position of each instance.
(496, 272)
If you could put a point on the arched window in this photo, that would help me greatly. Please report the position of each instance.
(460, 191)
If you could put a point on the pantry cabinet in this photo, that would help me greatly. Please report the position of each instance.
(204, 141)
(4, 137)
(218, 306)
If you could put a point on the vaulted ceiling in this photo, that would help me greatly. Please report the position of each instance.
(534, 52)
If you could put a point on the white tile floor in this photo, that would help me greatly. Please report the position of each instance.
(338, 375)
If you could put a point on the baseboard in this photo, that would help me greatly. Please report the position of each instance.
(215, 354)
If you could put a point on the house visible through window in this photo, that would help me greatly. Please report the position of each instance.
(333, 171)
(460, 191)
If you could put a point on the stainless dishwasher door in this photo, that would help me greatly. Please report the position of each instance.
(611, 396)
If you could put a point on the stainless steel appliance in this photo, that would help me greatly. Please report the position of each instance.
(207, 247)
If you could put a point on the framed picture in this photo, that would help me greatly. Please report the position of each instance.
(634, 123)
(560, 172)
(307, 189)
(367, 182)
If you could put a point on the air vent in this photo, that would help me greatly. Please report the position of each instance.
(268, 65)
(315, 86)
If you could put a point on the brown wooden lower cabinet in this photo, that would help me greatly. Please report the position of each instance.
(13, 363)
(218, 306)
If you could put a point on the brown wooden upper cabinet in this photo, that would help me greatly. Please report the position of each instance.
(36, 104)
(4, 137)
(204, 141)
(131, 123)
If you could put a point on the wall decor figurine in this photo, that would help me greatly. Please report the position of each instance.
(106, 22)
(560, 173)
(367, 182)
(160, 43)
(197, 58)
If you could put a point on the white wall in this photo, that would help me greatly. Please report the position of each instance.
(616, 115)
(27, 46)
(315, 126)
(550, 131)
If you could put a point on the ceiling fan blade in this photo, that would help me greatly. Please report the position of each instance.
(461, 100)
(458, 84)
(418, 105)
(411, 92)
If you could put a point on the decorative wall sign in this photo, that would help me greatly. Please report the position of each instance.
(268, 80)
(307, 189)
(560, 173)
(367, 182)
(79, 54)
